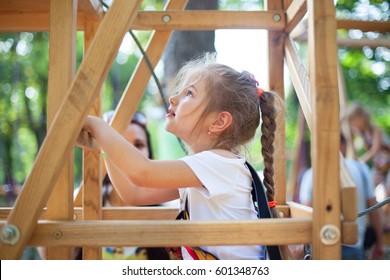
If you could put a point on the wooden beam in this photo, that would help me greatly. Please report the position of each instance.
(325, 129)
(364, 42)
(366, 26)
(92, 163)
(276, 84)
(34, 15)
(209, 20)
(299, 78)
(36, 21)
(62, 61)
(67, 124)
(115, 213)
(294, 14)
(172, 233)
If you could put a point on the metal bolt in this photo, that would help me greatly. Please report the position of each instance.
(277, 17)
(330, 234)
(10, 234)
(57, 234)
(166, 18)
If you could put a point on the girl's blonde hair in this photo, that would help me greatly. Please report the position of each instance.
(356, 110)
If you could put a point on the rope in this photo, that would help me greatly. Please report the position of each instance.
(156, 79)
(376, 206)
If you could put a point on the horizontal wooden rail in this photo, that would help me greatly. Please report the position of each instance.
(117, 213)
(171, 233)
(12, 21)
(366, 26)
(209, 20)
(363, 42)
(176, 233)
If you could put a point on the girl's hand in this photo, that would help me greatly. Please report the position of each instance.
(85, 138)
(85, 141)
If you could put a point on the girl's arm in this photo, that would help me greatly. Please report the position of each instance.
(375, 147)
(134, 195)
(143, 172)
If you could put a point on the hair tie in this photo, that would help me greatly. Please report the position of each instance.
(272, 203)
(259, 92)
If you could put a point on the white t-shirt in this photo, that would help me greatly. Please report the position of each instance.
(225, 195)
(360, 174)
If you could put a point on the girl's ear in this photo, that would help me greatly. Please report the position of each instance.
(224, 120)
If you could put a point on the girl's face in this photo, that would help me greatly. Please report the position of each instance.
(185, 110)
(136, 135)
(358, 124)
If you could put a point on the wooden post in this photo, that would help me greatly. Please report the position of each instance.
(276, 83)
(62, 68)
(92, 177)
(325, 129)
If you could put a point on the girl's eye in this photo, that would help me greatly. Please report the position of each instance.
(189, 93)
(139, 145)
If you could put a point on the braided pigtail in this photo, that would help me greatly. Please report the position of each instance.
(268, 128)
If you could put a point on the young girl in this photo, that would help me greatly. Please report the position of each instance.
(215, 110)
(377, 147)
(377, 144)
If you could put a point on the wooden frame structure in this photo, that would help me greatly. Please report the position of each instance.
(72, 96)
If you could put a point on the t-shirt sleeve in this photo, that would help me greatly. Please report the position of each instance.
(216, 175)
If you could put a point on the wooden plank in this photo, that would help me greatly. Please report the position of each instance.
(172, 233)
(92, 162)
(67, 124)
(62, 61)
(138, 82)
(34, 15)
(140, 213)
(179, 20)
(276, 84)
(209, 20)
(366, 26)
(325, 129)
(299, 78)
(363, 42)
(116, 213)
(294, 14)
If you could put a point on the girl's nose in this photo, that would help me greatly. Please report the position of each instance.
(173, 99)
